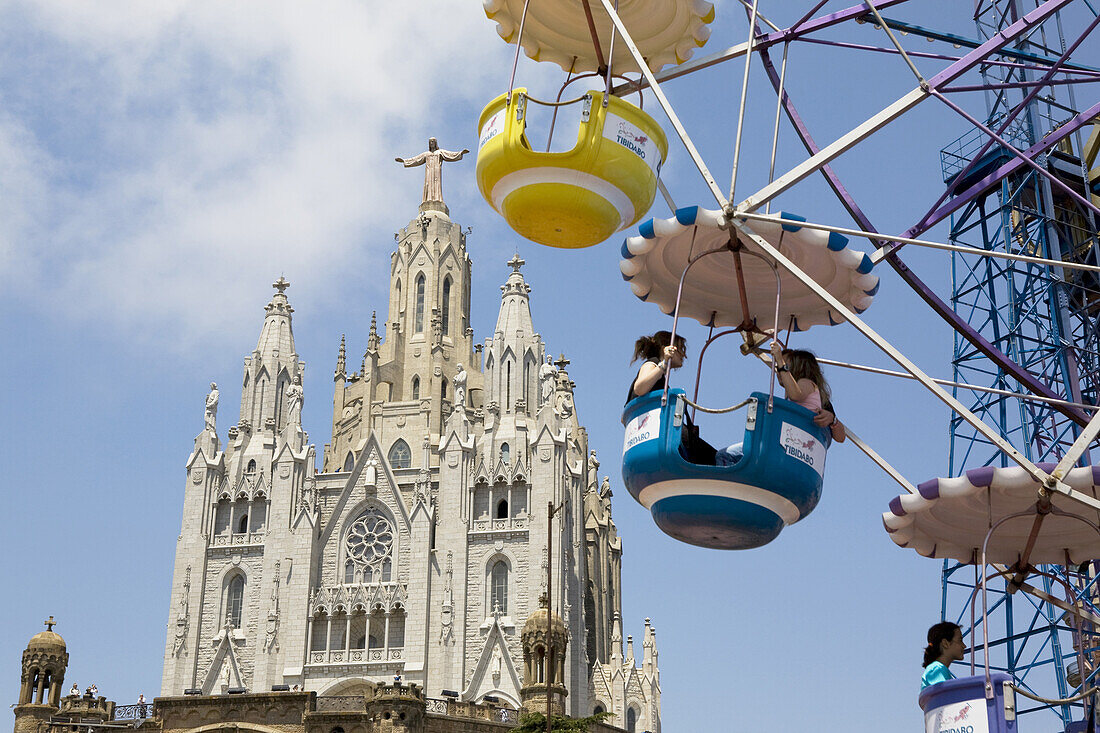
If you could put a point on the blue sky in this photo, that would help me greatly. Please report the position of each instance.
(164, 162)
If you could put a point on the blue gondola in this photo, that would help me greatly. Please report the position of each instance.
(776, 482)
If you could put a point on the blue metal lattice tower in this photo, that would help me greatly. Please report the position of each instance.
(1043, 317)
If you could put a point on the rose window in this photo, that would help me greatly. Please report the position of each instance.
(370, 539)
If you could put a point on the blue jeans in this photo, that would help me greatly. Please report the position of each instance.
(729, 456)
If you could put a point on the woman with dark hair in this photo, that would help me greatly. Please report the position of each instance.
(945, 645)
(662, 354)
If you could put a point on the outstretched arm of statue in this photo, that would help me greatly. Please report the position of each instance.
(450, 156)
(412, 162)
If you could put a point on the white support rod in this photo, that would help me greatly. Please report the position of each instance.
(719, 196)
(888, 348)
(893, 39)
(1060, 488)
(881, 462)
(882, 253)
(1079, 446)
(667, 196)
(760, 15)
(744, 99)
(961, 385)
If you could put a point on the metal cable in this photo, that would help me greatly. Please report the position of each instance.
(713, 411)
(1048, 701)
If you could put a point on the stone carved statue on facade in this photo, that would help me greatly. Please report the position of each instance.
(460, 388)
(183, 618)
(294, 398)
(211, 415)
(547, 379)
(432, 160)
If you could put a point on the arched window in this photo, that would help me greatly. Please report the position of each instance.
(498, 598)
(418, 313)
(399, 306)
(359, 631)
(416, 387)
(349, 572)
(222, 517)
(242, 524)
(397, 629)
(526, 382)
(598, 709)
(349, 462)
(631, 720)
(505, 453)
(376, 635)
(251, 467)
(502, 509)
(259, 514)
(443, 392)
(319, 642)
(508, 386)
(400, 455)
(234, 601)
(446, 305)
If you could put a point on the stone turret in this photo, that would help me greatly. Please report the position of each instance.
(397, 708)
(44, 662)
(544, 645)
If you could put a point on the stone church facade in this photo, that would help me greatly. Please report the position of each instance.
(417, 549)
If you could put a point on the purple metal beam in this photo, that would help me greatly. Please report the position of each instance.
(1020, 85)
(762, 41)
(1004, 124)
(980, 186)
(947, 57)
(941, 308)
(1025, 159)
(908, 101)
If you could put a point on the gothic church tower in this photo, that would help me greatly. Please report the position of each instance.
(420, 548)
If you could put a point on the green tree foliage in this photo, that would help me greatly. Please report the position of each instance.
(536, 723)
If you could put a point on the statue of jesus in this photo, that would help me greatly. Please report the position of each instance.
(432, 160)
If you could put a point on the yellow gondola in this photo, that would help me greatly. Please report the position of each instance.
(576, 198)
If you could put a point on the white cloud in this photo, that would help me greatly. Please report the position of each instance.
(162, 152)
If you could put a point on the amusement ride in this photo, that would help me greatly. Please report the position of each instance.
(1015, 521)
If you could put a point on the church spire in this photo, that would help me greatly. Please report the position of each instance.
(372, 336)
(276, 334)
(515, 303)
(273, 367)
(341, 359)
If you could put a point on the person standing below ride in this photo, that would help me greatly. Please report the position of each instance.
(945, 645)
(661, 354)
(804, 384)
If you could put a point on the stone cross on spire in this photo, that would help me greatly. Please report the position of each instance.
(515, 263)
(50, 623)
(281, 284)
(432, 159)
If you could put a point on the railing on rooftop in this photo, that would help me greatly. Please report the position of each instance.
(138, 711)
(955, 156)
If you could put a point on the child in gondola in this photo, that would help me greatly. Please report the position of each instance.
(804, 383)
(945, 645)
